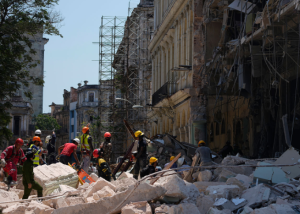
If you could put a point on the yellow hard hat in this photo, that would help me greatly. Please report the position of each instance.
(138, 133)
(172, 158)
(101, 160)
(153, 160)
(201, 142)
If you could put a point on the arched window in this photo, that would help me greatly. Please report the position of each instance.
(217, 128)
(223, 127)
(211, 133)
(91, 96)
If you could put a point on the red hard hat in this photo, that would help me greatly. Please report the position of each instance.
(107, 134)
(19, 141)
(96, 153)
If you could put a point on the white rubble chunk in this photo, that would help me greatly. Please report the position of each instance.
(90, 199)
(192, 193)
(94, 176)
(204, 176)
(7, 196)
(256, 195)
(125, 175)
(18, 208)
(71, 201)
(104, 192)
(66, 188)
(185, 208)
(203, 185)
(19, 192)
(38, 208)
(96, 186)
(233, 160)
(51, 176)
(123, 184)
(61, 203)
(223, 203)
(223, 191)
(143, 192)
(141, 207)
(247, 210)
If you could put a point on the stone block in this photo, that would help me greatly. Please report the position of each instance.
(18, 208)
(185, 208)
(123, 184)
(96, 186)
(204, 176)
(90, 199)
(141, 207)
(19, 192)
(203, 185)
(66, 188)
(94, 176)
(247, 210)
(192, 193)
(104, 192)
(233, 160)
(256, 195)
(223, 203)
(216, 211)
(125, 175)
(71, 201)
(7, 196)
(61, 203)
(282, 209)
(223, 191)
(246, 180)
(195, 176)
(264, 210)
(38, 208)
(225, 174)
(204, 203)
(144, 192)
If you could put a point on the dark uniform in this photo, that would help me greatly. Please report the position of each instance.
(28, 178)
(103, 169)
(147, 170)
(141, 158)
(107, 150)
(51, 150)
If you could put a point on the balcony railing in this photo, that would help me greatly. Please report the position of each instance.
(166, 90)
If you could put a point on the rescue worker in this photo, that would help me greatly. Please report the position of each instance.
(28, 176)
(226, 150)
(50, 140)
(67, 150)
(37, 133)
(204, 154)
(10, 157)
(86, 148)
(141, 156)
(103, 168)
(36, 144)
(106, 147)
(174, 164)
(151, 168)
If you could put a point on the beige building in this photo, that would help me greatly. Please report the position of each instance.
(176, 48)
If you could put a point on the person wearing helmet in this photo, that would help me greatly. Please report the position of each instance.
(204, 154)
(28, 176)
(86, 148)
(106, 147)
(141, 156)
(67, 150)
(50, 140)
(151, 168)
(10, 157)
(36, 144)
(174, 164)
(103, 168)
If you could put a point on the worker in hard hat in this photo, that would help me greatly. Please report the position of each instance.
(103, 168)
(106, 147)
(151, 168)
(37, 133)
(141, 156)
(204, 154)
(86, 148)
(50, 140)
(38, 153)
(174, 164)
(67, 150)
(28, 176)
(10, 157)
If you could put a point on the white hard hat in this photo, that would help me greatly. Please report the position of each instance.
(77, 140)
(37, 131)
(180, 161)
(48, 138)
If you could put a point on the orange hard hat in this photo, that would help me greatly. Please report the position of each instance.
(19, 141)
(107, 134)
(85, 129)
(36, 138)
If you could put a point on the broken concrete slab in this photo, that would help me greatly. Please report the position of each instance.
(242, 181)
(223, 203)
(18, 208)
(225, 174)
(264, 210)
(7, 196)
(271, 175)
(204, 176)
(247, 210)
(141, 207)
(223, 191)
(19, 192)
(37, 208)
(125, 175)
(104, 192)
(143, 192)
(94, 176)
(185, 208)
(192, 193)
(282, 209)
(66, 188)
(256, 195)
(202, 186)
(204, 203)
(216, 211)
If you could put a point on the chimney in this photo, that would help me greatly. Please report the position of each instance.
(79, 84)
(85, 82)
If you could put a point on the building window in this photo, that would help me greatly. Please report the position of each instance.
(72, 114)
(17, 121)
(72, 128)
(223, 127)
(211, 134)
(217, 128)
(91, 118)
(91, 96)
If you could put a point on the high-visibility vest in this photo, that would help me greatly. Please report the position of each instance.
(36, 160)
(84, 142)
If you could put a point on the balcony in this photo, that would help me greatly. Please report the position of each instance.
(168, 89)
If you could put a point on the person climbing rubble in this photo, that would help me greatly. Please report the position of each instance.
(205, 154)
(151, 168)
(28, 176)
(141, 156)
(50, 140)
(106, 147)
(86, 148)
(10, 157)
(103, 168)
(36, 144)
(174, 164)
(67, 150)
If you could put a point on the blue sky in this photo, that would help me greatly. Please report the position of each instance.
(68, 60)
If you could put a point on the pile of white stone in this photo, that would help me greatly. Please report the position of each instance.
(224, 190)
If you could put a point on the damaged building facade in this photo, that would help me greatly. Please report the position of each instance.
(227, 71)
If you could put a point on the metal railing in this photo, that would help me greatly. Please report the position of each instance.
(166, 90)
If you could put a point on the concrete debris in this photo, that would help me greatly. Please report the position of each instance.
(257, 195)
(225, 174)
(247, 210)
(141, 207)
(223, 203)
(223, 191)
(125, 175)
(272, 175)
(204, 175)
(94, 176)
(176, 209)
(202, 186)
(216, 211)
(104, 192)
(123, 184)
(32, 208)
(204, 203)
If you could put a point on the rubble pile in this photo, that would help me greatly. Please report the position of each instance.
(232, 187)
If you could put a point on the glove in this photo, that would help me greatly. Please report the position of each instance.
(2, 163)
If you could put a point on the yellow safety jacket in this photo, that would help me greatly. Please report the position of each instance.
(84, 143)
(36, 160)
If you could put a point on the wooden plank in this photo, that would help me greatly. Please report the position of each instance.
(189, 177)
(167, 167)
(129, 129)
